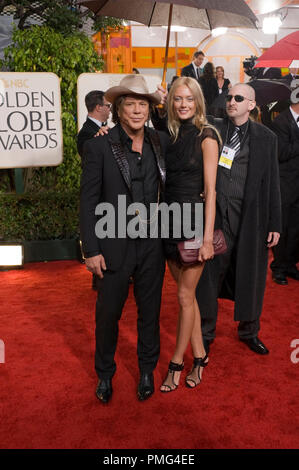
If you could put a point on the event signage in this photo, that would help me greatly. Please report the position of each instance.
(30, 120)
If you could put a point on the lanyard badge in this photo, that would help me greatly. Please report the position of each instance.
(227, 157)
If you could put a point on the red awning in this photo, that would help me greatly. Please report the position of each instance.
(281, 54)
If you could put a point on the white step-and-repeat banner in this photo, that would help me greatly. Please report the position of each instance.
(102, 81)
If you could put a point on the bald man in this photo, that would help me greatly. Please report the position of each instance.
(248, 210)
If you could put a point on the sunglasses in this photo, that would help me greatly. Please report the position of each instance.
(108, 106)
(238, 98)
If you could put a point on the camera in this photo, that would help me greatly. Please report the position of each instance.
(248, 65)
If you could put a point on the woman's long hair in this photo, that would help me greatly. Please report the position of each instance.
(208, 71)
(199, 119)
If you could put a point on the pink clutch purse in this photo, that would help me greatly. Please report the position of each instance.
(189, 249)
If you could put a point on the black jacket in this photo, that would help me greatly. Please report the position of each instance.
(261, 214)
(88, 131)
(287, 131)
(189, 71)
(105, 176)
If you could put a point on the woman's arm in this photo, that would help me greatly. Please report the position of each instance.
(210, 163)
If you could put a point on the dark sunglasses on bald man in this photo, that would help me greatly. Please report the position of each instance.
(238, 98)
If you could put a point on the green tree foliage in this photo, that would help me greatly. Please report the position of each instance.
(41, 49)
(105, 23)
(62, 15)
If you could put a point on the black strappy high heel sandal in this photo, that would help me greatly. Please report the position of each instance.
(169, 381)
(198, 362)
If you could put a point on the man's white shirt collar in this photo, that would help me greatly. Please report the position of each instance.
(195, 68)
(98, 123)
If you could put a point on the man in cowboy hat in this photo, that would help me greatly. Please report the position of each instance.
(129, 163)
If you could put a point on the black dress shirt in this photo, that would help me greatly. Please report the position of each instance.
(143, 169)
(144, 176)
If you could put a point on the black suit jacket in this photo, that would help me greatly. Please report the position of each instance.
(287, 131)
(88, 131)
(105, 176)
(189, 71)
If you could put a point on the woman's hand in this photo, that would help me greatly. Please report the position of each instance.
(206, 252)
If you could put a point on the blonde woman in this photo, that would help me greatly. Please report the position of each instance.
(191, 167)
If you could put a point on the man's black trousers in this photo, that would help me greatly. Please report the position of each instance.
(285, 253)
(144, 262)
(219, 267)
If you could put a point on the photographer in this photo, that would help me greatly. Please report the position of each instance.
(248, 65)
(260, 72)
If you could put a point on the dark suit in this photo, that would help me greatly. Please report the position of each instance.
(240, 274)
(189, 71)
(106, 175)
(88, 131)
(287, 132)
(290, 77)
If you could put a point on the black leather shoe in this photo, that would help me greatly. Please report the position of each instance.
(280, 278)
(293, 275)
(145, 386)
(255, 345)
(104, 390)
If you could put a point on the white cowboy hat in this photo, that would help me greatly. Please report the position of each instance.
(132, 85)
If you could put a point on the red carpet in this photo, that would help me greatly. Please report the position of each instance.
(47, 382)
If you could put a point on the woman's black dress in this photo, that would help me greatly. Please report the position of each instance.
(184, 177)
(224, 87)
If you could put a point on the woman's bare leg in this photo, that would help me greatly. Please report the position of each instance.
(195, 375)
(196, 337)
(187, 279)
(175, 272)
